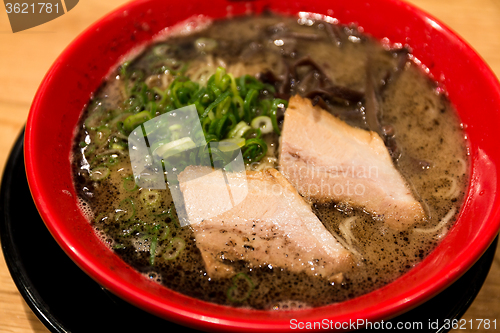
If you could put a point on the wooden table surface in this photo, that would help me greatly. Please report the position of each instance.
(26, 56)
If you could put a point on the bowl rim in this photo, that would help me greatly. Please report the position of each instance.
(185, 312)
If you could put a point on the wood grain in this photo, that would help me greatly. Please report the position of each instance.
(26, 56)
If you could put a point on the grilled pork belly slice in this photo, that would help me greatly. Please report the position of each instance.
(271, 226)
(329, 160)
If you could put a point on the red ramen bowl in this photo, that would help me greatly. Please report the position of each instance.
(471, 86)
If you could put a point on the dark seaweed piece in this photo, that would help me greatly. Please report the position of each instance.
(307, 82)
(372, 105)
(312, 83)
(334, 92)
(392, 75)
(268, 77)
(317, 100)
(282, 83)
(393, 148)
(307, 61)
(287, 83)
(373, 111)
(344, 113)
(327, 90)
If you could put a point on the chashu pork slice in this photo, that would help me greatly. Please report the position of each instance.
(271, 226)
(329, 160)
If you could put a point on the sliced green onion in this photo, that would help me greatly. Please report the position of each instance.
(211, 115)
(237, 293)
(152, 250)
(101, 218)
(165, 232)
(265, 106)
(151, 198)
(174, 147)
(254, 150)
(225, 82)
(176, 127)
(129, 229)
(152, 107)
(215, 103)
(219, 74)
(239, 130)
(221, 125)
(99, 173)
(102, 135)
(124, 69)
(253, 133)
(205, 124)
(153, 233)
(89, 149)
(117, 146)
(243, 85)
(182, 91)
(277, 103)
(198, 100)
(154, 243)
(249, 103)
(264, 123)
(234, 86)
(110, 160)
(231, 144)
(159, 92)
(174, 249)
(131, 122)
(125, 210)
(238, 102)
(223, 107)
(129, 184)
(133, 104)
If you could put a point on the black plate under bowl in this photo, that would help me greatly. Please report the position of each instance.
(65, 299)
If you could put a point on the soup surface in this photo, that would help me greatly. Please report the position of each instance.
(257, 64)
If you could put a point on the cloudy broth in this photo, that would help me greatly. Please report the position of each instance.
(422, 133)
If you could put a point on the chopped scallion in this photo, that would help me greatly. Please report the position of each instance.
(174, 147)
(264, 123)
(99, 173)
(135, 120)
(241, 289)
(151, 198)
(239, 130)
(125, 210)
(174, 249)
(129, 184)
